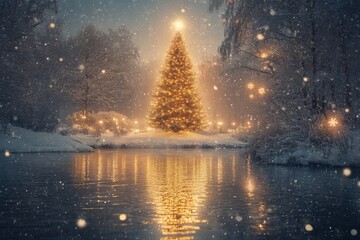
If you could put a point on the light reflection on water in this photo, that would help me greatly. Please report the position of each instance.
(172, 195)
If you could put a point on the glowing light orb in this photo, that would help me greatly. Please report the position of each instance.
(308, 228)
(261, 91)
(122, 217)
(333, 122)
(103, 71)
(183, 10)
(250, 86)
(81, 223)
(260, 37)
(353, 232)
(238, 218)
(61, 59)
(358, 183)
(347, 110)
(306, 79)
(251, 96)
(264, 55)
(215, 87)
(52, 25)
(7, 153)
(81, 67)
(179, 25)
(346, 172)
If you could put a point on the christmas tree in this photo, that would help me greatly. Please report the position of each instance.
(176, 106)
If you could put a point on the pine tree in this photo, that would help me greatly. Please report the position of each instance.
(176, 105)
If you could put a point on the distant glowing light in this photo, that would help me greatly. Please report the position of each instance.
(179, 25)
(233, 123)
(183, 10)
(101, 122)
(261, 91)
(358, 183)
(61, 59)
(308, 227)
(346, 172)
(353, 232)
(306, 79)
(220, 123)
(7, 153)
(81, 67)
(250, 86)
(272, 12)
(122, 217)
(81, 223)
(333, 122)
(215, 88)
(264, 55)
(103, 71)
(251, 96)
(238, 218)
(52, 25)
(347, 110)
(260, 37)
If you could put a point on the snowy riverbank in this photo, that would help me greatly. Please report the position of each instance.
(162, 140)
(290, 150)
(25, 141)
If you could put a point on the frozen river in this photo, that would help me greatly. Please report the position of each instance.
(173, 194)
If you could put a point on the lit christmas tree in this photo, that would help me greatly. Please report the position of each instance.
(176, 105)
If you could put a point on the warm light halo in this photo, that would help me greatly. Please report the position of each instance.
(179, 25)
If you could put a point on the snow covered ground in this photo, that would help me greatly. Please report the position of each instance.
(285, 150)
(162, 140)
(22, 141)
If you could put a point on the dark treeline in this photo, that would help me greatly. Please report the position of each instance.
(45, 76)
(305, 53)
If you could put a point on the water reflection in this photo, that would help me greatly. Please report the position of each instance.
(193, 194)
(177, 187)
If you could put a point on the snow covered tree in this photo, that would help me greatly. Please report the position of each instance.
(100, 69)
(177, 105)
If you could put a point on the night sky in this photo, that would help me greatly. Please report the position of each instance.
(151, 22)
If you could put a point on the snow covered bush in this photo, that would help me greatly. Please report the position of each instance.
(100, 123)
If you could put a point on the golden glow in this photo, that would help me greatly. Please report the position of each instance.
(260, 37)
(179, 25)
(306, 79)
(103, 71)
(251, 96)
(264, 55)
(81, 223)
(261, 91)
(347, 172)
(122, 217)
(308, 227)
(176, 196)
(333, 122)
(7, 153)
(250, 86)
(52, 25)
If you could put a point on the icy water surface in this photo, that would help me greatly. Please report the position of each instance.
(172, 194)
